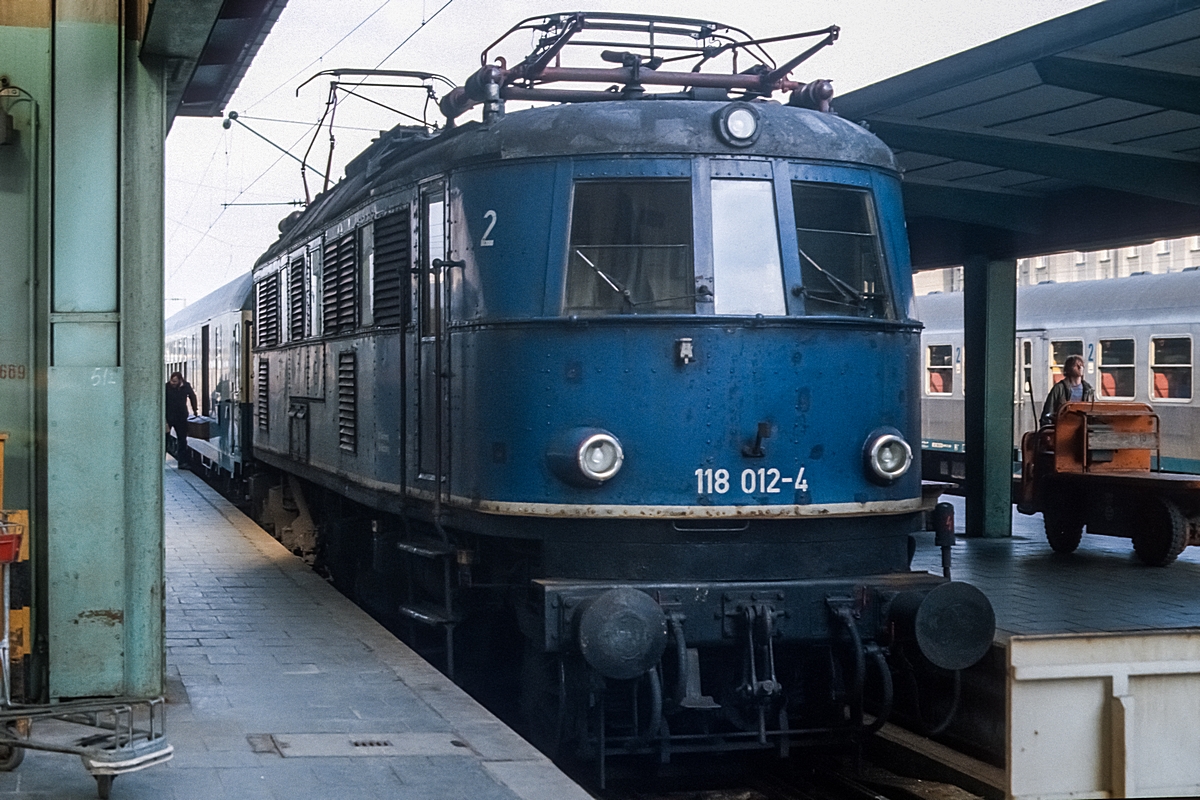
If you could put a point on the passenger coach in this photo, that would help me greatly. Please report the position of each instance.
(1137, 338)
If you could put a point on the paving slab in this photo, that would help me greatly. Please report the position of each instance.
(263, 658)
(1100, 587)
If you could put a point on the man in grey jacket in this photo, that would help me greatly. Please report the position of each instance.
(1071, 388)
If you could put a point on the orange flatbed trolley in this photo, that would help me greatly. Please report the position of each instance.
(1094, 468)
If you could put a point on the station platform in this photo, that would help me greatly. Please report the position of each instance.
(279, 687)
(1101, 587)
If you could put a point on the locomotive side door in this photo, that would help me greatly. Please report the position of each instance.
(431, 328)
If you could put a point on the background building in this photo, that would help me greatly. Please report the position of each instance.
(1166, 255)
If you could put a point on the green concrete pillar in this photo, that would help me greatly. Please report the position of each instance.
(142, 237)
(85, 382)
(81, 332)
(989, 315)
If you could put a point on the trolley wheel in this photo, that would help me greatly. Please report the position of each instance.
(1162, 533)
(104, 786)
(1064, 530)
(10, 757)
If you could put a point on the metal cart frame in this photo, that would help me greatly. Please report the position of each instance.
(124, 734)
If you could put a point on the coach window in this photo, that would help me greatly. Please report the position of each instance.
(939, 370)
(1171, 368)
(631, 248)
(1059, 353)
(747, 272)
(1027, 367)
(841, 262)
(1117, 370)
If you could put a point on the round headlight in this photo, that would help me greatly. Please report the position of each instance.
(738, 124)
(887, 456)
(600, 456)
(585, 457)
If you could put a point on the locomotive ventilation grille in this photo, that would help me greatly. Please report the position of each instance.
(392, 263)
(296, 298)
(263, 395)
(347, 401)
(340, 285)
(268, 311)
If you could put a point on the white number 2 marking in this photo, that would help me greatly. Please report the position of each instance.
(485, 241)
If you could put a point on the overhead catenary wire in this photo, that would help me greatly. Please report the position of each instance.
(221, 213)
(318, 125)
(195, 194)
(331, 102)
(321, 57)
(417, 30)
(305, 124)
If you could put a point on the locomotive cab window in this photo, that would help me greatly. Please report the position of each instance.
(841, 262)
(433, 248)
(1117, 370)
(939, 370)
(631, 249)
(1171, 368)
(747, 273)
(1059, 353)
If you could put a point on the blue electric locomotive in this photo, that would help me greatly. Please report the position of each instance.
(634, 370)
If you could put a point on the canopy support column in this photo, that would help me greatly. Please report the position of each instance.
(989, 322)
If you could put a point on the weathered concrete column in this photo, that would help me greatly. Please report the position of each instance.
(143, 135)
(98, 533)
(989, 315)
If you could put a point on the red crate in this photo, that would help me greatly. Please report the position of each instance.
(10, 541)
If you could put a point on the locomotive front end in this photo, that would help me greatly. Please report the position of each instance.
(637, 369)
(708, 429)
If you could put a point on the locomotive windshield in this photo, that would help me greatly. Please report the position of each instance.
(747, 272)
(840, 257)
(631, 248)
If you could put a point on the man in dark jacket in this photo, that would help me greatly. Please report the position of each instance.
(1071, 388)
(179, 393)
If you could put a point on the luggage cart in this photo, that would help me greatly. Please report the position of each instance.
(118, 735)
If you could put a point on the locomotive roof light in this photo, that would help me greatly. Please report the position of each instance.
(586, 456)
(886, 456)
(738, 124)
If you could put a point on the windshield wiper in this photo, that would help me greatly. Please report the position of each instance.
(844, 289)
(702, 294)
(616, 287)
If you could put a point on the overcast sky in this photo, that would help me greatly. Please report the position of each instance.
(208, 166)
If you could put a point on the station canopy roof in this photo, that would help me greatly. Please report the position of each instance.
(207, 46)
(1080, 133)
